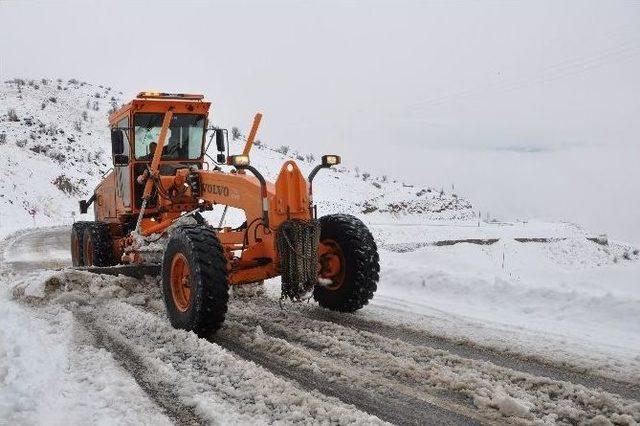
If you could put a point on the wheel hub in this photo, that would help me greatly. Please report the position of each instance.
(181, 282)
(332, 264)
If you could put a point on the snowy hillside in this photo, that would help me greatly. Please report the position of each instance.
(54, 148)
(348, 190)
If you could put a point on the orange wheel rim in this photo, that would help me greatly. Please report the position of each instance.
(180, 282)
(75, 248)
(332, 264)
(88, 253)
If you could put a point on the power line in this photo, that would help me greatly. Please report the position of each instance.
(566, 68)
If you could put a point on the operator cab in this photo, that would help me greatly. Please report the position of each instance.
(135, 133)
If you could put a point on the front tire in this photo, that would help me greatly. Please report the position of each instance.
(350, 260)
(194, 280)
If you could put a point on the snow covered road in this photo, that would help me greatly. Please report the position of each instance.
(101, 348)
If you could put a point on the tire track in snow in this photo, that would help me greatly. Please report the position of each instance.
(420, 368)
(463, 349)
(390, 401)
(183, 370)
(165, 397)
(397, 406)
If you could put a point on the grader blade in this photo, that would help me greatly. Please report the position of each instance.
(134, 271)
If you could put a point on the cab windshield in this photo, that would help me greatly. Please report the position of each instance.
(184, 140)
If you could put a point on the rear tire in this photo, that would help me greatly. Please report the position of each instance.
(97, 245)
(195, 280)
(77, 239)
(358, 275)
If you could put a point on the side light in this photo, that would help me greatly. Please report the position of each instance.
(161, 95)
(330, 160)
(239, 161)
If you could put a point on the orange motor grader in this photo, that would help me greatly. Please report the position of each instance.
(153, 199)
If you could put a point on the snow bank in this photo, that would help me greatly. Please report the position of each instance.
(51, 373)
(570, 296)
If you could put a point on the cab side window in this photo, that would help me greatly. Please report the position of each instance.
(124, 124)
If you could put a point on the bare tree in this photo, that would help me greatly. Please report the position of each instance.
(235, 133)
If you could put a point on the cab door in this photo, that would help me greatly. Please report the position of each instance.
(122, 168)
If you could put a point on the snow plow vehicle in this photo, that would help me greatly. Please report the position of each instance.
(154, 199)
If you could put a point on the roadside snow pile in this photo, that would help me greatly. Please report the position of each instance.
(50, 369)
(569, 291)
(80, 287)
(53, 133)
(579, 253)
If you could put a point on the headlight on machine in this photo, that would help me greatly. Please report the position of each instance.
(239, 160)
(330, 160)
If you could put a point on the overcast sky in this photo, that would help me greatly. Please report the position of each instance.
(529, 108)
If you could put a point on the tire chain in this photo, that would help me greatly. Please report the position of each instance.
(298, 242)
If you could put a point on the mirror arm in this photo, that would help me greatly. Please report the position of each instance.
(313, 174)
(263, 192)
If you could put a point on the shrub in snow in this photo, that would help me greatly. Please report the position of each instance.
(114, 105)
(257, 142)
(64, 184)
(56, 156)
(235, 133)
(51, 129)
(85, 116)
(21, 143)
(44, 81)
(73, 81)
(53, 99)
(77, 125)
(11, 113)
(96, 106)
(365, 176)
(311, 158)
(284, 149)
(97, 95)
(299, 157)
(43, 105)
(3, 138)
